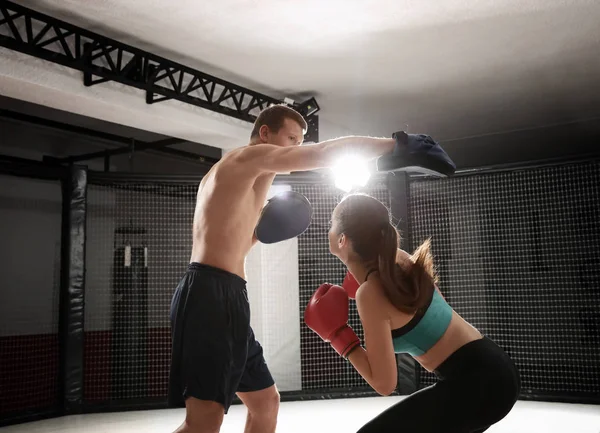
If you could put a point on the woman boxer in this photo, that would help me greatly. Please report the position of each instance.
(402, 311)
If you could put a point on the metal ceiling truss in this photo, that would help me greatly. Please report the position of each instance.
(102, 59)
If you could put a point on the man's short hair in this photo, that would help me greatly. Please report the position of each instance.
(274, 117)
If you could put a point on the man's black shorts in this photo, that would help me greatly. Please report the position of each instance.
(214, 352)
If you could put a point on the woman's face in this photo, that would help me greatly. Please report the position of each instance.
(336, 239)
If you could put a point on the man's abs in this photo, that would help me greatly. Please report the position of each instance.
(227, 209)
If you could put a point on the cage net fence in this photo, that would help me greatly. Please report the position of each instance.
(139, 238)
(518, 256)
(322, 368)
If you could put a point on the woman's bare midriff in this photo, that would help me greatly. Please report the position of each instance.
(459, 333)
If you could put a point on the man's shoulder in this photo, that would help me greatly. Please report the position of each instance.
(247, 157)
(254, 150)
(238, 163)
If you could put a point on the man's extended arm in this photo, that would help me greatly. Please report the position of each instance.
(365, 147)
(271, 158)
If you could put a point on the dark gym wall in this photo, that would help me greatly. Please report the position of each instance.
(22, 135)
(26, 140)
(561, 141)
(30, 229)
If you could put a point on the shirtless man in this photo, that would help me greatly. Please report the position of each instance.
(215, 354)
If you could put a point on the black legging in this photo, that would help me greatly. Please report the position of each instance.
(478, 386)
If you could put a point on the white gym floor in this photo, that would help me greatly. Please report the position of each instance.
(322, 416)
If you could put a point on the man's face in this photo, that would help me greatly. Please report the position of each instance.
(290, 134)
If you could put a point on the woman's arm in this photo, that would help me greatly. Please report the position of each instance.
(376, 363)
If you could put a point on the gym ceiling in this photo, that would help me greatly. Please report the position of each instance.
(450, 68)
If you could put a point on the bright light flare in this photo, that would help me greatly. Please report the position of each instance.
(351, 172)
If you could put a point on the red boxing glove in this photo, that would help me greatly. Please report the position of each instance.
(350, 285)
(327, 315)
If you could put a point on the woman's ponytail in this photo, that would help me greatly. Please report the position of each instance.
(407, 286)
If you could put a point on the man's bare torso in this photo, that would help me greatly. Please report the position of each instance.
(229, 201)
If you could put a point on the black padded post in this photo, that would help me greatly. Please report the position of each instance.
(71, 319)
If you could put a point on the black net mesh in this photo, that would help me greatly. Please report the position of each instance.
(138, 246)
(518, 254)
(322, 367)
(139, 239)
(30, 229)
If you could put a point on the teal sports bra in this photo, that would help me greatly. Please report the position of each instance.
(425, 328)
